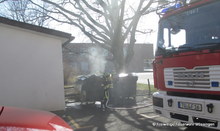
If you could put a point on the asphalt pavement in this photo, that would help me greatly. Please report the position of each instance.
(91, 118)
(130, 115)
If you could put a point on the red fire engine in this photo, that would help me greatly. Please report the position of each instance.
(187, 63)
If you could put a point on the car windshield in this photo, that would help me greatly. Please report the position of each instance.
(192, 29)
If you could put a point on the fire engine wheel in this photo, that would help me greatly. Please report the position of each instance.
(83, 96)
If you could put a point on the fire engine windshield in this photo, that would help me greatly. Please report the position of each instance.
(197, 28)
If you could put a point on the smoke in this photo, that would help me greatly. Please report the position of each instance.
(97, 58)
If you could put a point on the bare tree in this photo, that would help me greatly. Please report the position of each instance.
(107, 23)
(24, 11)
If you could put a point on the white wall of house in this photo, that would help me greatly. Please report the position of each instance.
(31, 69)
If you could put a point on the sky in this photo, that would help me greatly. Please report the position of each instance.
(149, 21)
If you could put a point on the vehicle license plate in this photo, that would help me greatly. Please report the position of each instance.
(190, 106)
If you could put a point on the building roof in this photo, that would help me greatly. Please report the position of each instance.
(78, 48)
(44, 30)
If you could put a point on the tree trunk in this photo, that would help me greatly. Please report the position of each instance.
(118, 57)
(117, 37)
(118, 51)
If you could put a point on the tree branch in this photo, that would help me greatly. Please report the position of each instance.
(135, 18)
(2, 1)
(80, 17)
(92, 8)
(92, 20)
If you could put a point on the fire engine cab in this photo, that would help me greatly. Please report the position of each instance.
(187, 64)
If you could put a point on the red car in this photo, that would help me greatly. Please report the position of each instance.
(19, 119)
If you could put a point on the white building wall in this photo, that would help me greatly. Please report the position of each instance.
(31, 69)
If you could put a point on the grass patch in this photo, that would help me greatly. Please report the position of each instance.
(145, 87)
(68, 86)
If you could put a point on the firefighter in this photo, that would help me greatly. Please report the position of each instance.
(107, 84)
